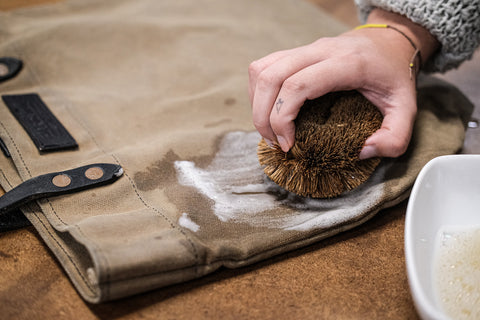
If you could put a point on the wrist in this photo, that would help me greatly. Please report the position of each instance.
(421, 37)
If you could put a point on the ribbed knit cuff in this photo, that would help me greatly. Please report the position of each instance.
(454, 23)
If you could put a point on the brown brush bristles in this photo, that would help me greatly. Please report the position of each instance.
(330, 132)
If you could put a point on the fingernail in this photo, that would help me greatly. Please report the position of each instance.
(269, 142)
(367, 152)
(283, 143)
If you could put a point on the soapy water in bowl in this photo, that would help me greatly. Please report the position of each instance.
(456, 272)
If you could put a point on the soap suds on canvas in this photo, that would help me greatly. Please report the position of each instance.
(236, 183)
(186, 222)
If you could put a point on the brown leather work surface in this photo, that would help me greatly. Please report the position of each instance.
(13, 4)
(358, 274)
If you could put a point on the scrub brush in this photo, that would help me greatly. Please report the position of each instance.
(330, 133)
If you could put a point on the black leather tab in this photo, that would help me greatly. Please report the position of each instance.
(13, 220)
(59, 183)
(42, 126)
(4, 148)
(9, 67)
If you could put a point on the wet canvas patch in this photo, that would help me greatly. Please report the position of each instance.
(240, 192)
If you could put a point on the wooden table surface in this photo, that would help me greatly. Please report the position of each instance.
(359, 274)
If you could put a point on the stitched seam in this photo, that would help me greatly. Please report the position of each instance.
(48, 201)
(172, 224)
(55, 212)
(50, 234)
(81, 123)
(35, 80)
(17, 149)
(145, 204)
(100, 253)
(77, 227)
(101, 256)
(77, 269)
(5, 177)
(33, 211)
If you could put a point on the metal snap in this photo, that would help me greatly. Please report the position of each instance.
(3, 70)
(94, 173)
(61, 180)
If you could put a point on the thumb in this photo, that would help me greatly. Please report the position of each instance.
(392, 139)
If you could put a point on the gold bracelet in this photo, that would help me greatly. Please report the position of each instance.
(416, 54)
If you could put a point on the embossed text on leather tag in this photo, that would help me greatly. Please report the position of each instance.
(46, 132)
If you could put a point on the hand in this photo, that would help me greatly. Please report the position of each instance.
(374, 62)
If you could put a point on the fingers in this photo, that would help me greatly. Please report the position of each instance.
(309, 83)
(275, 109)
(392, 139)
(280, 83)
(257, 67)
(267, 77)
(286, 62)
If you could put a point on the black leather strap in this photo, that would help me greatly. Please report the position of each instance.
(9, 67)
(12, 220)
(58, 183)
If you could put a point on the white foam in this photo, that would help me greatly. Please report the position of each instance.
(457, 272)
(241, 192)
(186, 222)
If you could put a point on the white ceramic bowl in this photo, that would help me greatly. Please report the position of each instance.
(445, 194)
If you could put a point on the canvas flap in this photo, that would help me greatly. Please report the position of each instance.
(160, 87)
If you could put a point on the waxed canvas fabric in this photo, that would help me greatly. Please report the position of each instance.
(160, 87)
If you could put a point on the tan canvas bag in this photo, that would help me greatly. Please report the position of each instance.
(160, 87)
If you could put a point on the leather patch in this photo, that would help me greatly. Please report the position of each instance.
(9, 67)
(46, 132)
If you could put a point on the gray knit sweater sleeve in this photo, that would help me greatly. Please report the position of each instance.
(455, 23)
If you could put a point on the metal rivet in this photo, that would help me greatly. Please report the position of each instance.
(473, 123)
(94, 173)
(61, 180)
(3, 69)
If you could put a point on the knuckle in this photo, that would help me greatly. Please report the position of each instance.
(255, 68)
(294, 86)
(266, 80)
(261, 124)
(323, 42)
(279, 124)
(283, 119)
(398, 147)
